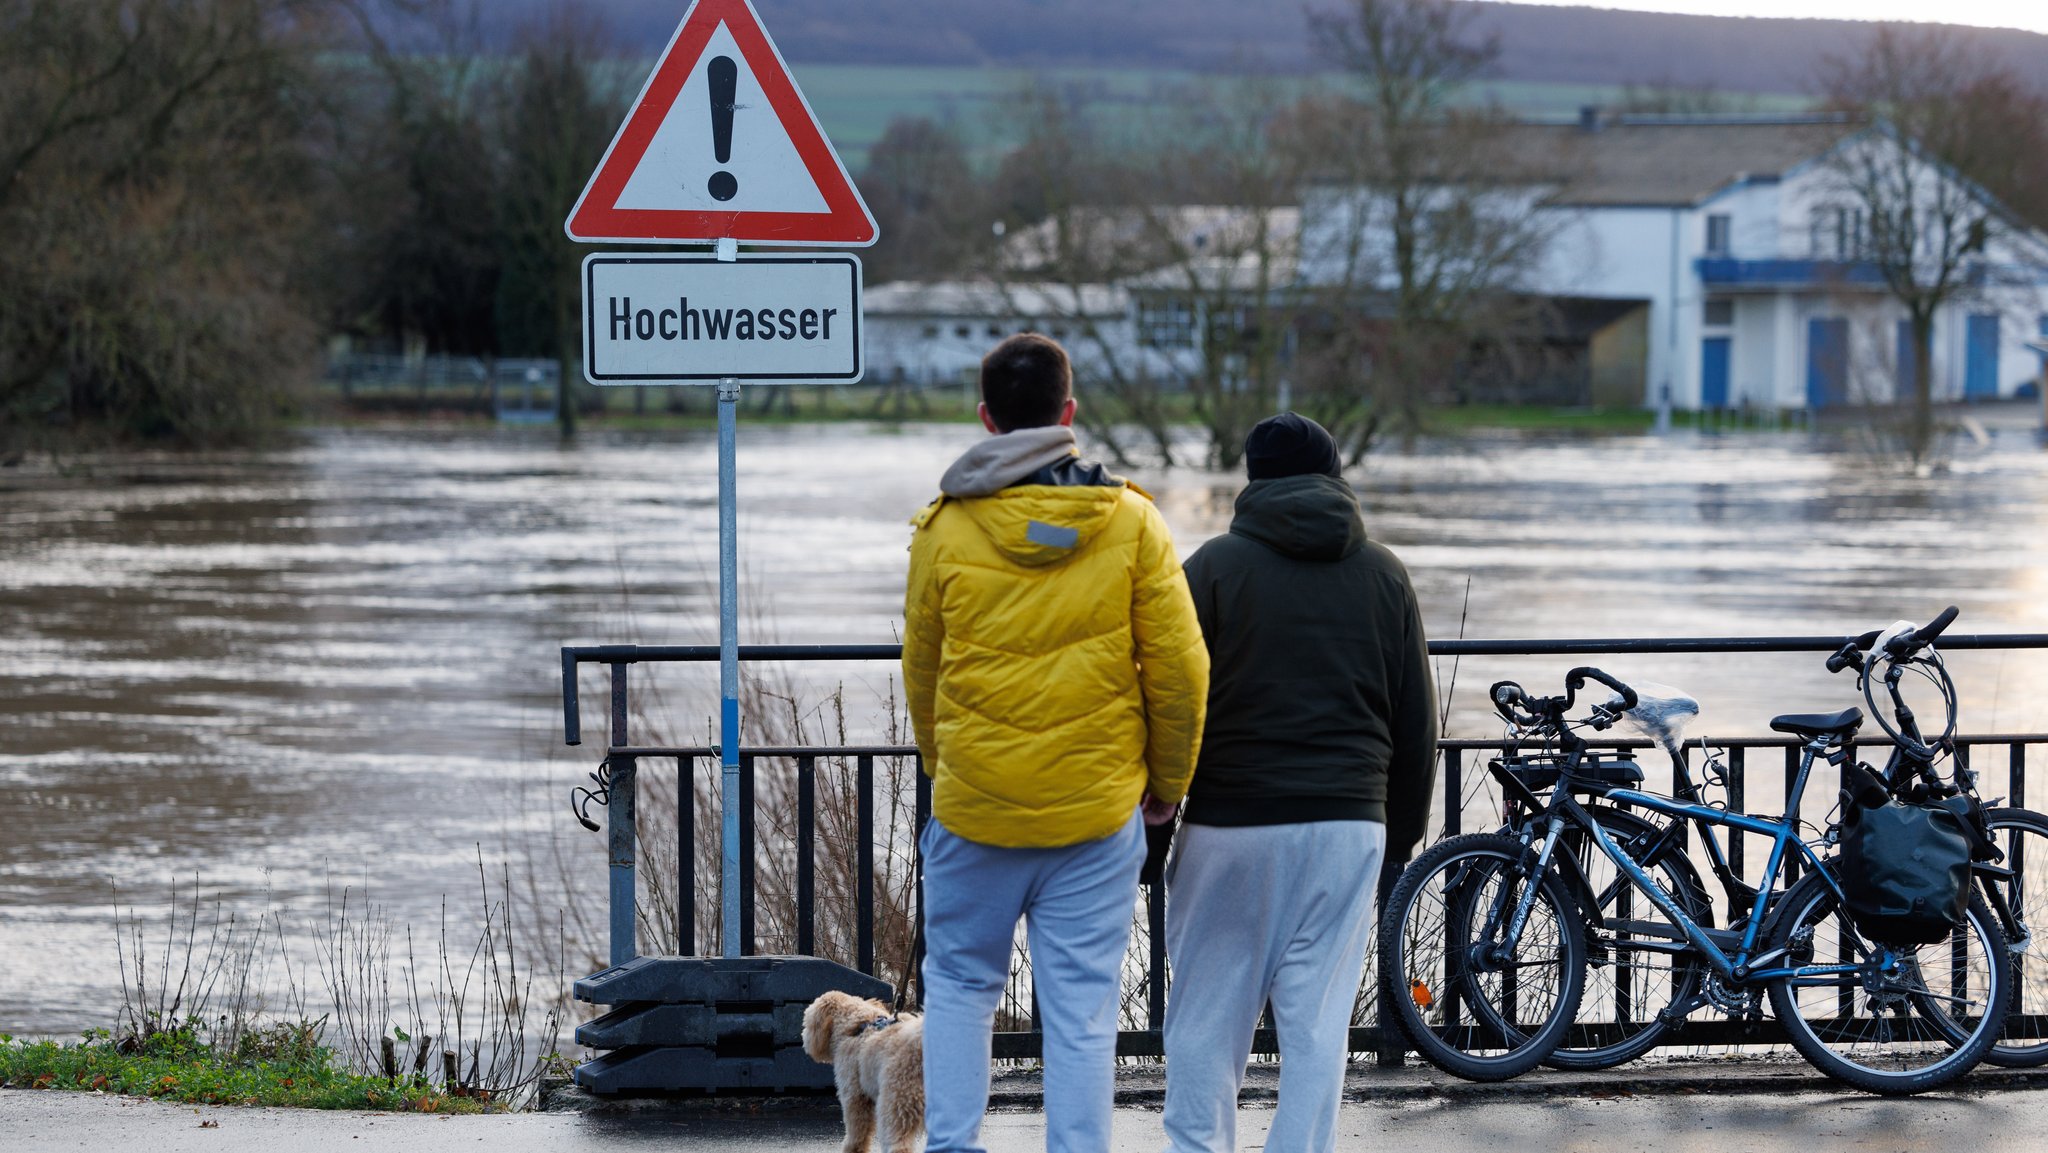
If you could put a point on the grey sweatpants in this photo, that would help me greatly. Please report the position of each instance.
(1076, 903)
(1267, 912)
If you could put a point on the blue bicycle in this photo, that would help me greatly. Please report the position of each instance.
(1486, 938)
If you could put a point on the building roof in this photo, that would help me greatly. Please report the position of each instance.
(1667, 161)
(994, 299)
(1126, 240)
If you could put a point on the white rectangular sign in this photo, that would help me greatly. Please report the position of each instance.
(657, 318)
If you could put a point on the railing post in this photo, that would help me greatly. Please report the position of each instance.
(1155, 960)
(686, 856)
(864, 863)
(924, 813)
(1737, 758)
(1392, 1051)
(619, 834)
(1792, 860)
(1454, 793)
(806, 836)
(746, 856)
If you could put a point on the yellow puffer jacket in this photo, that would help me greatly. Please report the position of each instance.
(1053, 663)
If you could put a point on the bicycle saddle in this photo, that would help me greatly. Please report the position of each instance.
(1810, 725)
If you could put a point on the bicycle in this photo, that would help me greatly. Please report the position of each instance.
(1912, 773)
(1862, 1018)
(1639, 985)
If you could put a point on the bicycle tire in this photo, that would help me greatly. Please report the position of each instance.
(1431, 968)
(1627, 989)
(2023, 835)
(1886, 1042)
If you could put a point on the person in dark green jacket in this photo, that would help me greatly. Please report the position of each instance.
(1317, 764)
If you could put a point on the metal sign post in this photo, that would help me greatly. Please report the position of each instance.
(729, 666)
(719, 149)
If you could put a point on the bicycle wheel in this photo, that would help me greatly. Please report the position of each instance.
(1474, 1003)
(1915, 1025)
(1629, 979)
(2020, 902)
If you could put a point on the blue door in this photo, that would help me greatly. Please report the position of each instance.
(1909, 366)
(1714, 372)
(1827, 362)
(1980, 360)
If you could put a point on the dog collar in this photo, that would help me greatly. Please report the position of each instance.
(878, 1023)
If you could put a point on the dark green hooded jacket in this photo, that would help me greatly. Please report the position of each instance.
(1321, 706)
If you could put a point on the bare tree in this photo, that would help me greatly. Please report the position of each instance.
(154, 174)
(1167, 246)
(928, 207)
(1440, 221)
(418, 181)
(1909, 212)
(559, 115)
(1071, 232)
(1234, 271)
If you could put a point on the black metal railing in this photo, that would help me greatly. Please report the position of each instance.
(803, 841)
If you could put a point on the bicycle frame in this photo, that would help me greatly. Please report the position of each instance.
(1740, 966)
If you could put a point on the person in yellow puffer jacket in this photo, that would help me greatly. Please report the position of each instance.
(1056, 679)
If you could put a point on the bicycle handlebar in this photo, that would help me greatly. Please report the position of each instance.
(1934, 628)
(1901, 646)
(1518, 708)
(1576, 680)
(1511, 702)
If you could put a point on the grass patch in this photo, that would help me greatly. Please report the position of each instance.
(1482, 417)
(281, 1066)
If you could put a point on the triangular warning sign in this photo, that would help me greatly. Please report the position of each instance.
(721, 145)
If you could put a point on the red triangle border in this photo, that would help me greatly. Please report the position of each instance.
(597, 217)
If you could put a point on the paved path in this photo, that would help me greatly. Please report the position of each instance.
(1998, 1121)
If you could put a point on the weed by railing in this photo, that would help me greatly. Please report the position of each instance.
(472, 1019)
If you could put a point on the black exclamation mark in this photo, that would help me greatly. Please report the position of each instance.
(725, 77)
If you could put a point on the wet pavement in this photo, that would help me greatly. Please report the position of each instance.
(1684, 1118)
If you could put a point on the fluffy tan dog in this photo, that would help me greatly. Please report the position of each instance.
(878, 1061)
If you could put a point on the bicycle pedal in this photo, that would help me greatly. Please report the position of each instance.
(1675, 1015)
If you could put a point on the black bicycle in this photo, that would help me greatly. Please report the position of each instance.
(2012, 841)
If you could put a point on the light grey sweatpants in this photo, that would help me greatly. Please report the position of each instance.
(1265, 912)
(1076, 903)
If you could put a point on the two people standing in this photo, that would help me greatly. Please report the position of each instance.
(1068, 683)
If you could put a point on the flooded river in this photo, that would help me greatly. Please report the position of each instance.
(336, 663)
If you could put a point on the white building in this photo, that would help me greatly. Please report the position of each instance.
(934, 333)
(1731, 253)
(1139, 318)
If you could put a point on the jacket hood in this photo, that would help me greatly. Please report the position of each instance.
(1039, 525)
(1006, 458)
(1311, 517)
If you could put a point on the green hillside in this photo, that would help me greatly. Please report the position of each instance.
(856, 102)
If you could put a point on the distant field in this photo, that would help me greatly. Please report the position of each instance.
(856, 102)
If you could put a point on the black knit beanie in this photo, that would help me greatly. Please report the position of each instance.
(1290, 445)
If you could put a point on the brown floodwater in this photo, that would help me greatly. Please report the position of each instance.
(335, 664)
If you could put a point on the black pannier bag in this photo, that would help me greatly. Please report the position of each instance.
(1904, 869)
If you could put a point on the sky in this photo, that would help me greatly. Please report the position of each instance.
(2031, 15)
